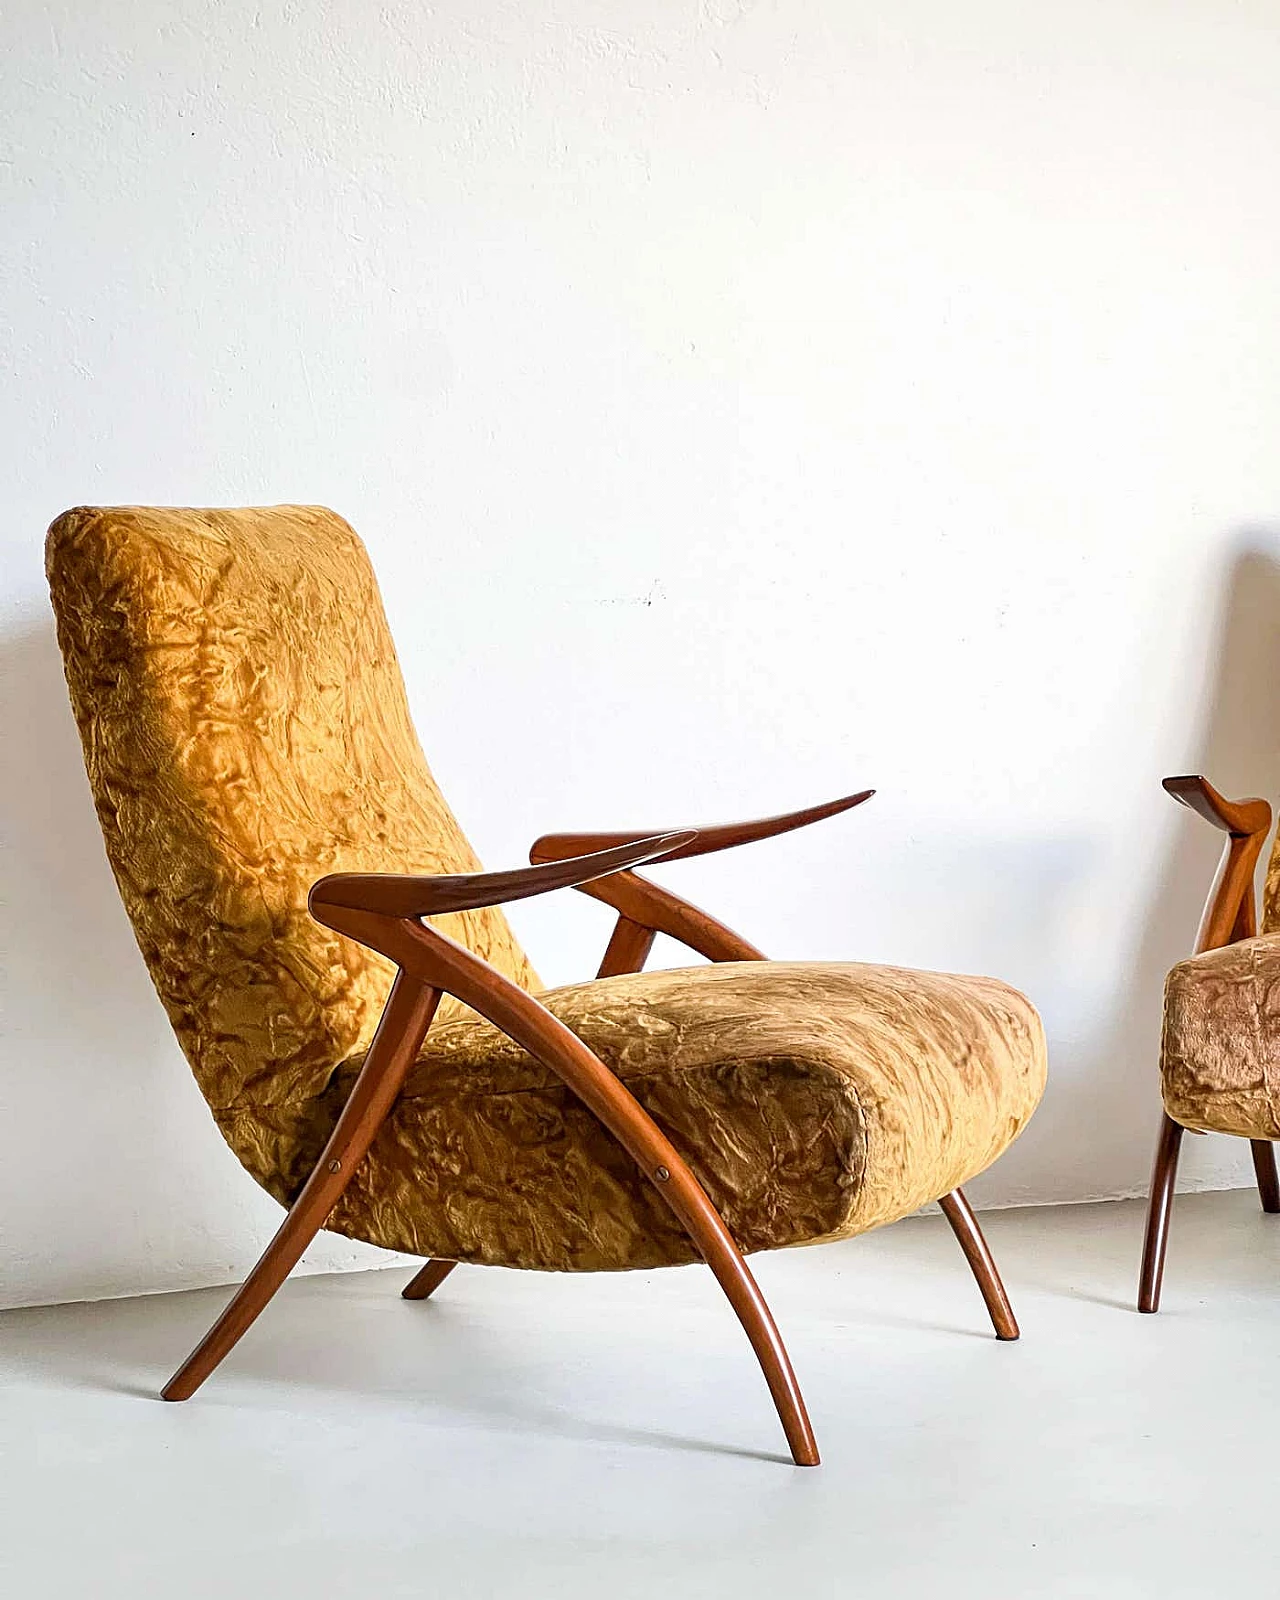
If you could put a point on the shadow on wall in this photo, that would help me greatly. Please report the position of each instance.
(1239, 752)
(1104, 1095)
(86, 1078)
(73, 923)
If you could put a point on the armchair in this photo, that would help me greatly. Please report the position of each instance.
(373, 1043)
(1220, 1046)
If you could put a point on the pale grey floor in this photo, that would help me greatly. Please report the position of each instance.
(610, 1437)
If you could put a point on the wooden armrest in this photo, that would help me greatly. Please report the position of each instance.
(390, 894)
(701, 841)
(1236, 817)
(646, 909)
(1229, 911)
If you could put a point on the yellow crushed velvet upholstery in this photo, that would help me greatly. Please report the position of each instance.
(814, 1100)
(245, 732)
(1220, 1057)
(1220, 1049)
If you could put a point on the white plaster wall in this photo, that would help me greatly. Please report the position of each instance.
(742, 404)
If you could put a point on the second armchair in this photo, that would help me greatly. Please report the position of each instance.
(1220, 1049)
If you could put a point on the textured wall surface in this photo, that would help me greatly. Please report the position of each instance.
(742, 404)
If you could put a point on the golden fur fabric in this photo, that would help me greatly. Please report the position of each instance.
(1220, 1060)
(245, 732)
(1271, 897)
(813, 1100)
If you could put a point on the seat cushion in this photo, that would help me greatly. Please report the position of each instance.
(1220, 1060)
(813, 1101)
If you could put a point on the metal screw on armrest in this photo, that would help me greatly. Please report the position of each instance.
(335, 1166)
(661, 1175)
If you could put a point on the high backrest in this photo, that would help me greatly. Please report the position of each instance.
(246, 731)
(1271, 897)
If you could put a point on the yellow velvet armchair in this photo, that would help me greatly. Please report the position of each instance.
(1220, 1045)
(373, 1043)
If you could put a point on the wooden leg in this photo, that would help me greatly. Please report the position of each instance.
(1264, 1165)
(964, 1225)
(429, 1279)
(743, 1294)
(1164, 1175)
(628, 951)
(405, 1020)
(521, 1017)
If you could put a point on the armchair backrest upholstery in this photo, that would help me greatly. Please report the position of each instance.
(246, 731)
(1271, 898)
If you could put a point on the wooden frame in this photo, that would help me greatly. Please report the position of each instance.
(1230, 913)
(383, 912)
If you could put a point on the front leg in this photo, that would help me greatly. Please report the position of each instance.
(405, 1020)
(977, 1252)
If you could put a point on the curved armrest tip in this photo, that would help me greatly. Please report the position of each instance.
(1237, 817)
(701, 841)
(317, 894)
